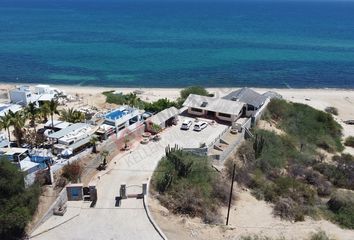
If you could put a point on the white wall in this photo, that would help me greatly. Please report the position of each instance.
(18, 98)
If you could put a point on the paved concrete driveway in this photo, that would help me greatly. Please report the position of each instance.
(129, 221)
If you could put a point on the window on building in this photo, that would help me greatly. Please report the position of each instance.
(250, 108)
(224, 115)
(196, 110)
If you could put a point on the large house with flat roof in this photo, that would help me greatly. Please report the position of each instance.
(23, 95)
(124, 119)
(219, 108)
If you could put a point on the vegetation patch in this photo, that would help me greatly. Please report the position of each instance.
(72, 172)
(187, 184)
(332, 110)
(17, 203)
(157, 106)
(349, 141)
(341, 205)
(306, 125)
(288, 171)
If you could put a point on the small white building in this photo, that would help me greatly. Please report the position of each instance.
(163, 119)
(212, 107)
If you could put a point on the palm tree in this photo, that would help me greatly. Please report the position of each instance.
(93, 142)
(45, 111)
(53, 105)
(32, 111)
(132, 99)
(18, 121)
(6, 123)
(71, 115)
(104, 155)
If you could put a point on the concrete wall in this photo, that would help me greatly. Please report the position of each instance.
(61, 199)
(260, 112)
(197, 151)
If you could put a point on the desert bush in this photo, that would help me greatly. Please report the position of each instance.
(211, 218)
(341, 174)
(321, 235)
(349, 141)
(259, 237)
(332, 110)
(72, 172)
(288, 209)
(221, 190)
(17, 203)
(342, 205)
(307, 124)
(324, 188)
(188, 185)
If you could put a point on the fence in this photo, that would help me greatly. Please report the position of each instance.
(260, 112)
(197, 151)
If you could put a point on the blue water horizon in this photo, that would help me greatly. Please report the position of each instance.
(178, 44)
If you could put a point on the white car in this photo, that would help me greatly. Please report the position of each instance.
(186, 124)
(200, 126)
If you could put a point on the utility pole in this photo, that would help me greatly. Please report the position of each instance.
(232, 186)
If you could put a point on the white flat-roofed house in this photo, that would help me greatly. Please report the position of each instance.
(21, 95)
(219, 108)
(125, 119)
(42, 93)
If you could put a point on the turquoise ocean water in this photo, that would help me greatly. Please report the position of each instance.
(175, 44)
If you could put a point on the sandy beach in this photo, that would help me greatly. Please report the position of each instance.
(342, 99)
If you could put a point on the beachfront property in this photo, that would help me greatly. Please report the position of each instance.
(163, 119)
(23, 95)
(212, 107)
(5, 108)
(251, 98)
(245, 103)
(124, 119)
(74, 138)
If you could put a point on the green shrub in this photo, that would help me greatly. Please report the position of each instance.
(342, 205)
(332, 110)
(306, 124)
(349, 141)
(188, 185)
(17, 203)
(321, 235)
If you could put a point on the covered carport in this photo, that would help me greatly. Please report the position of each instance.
(163, 119)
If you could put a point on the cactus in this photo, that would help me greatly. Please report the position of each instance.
(258, 145)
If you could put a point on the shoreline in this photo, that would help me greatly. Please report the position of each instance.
(12, 84)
